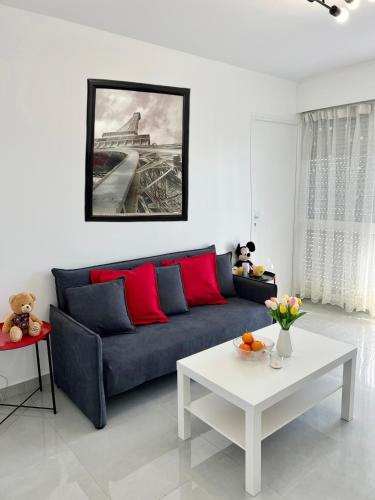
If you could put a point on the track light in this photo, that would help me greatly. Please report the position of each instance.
(340, 14)
(353, 4)
(335, 11)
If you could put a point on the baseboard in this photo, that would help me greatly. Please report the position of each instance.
(23, 387)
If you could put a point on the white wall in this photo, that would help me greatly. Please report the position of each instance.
(351, 84)
(45, 64)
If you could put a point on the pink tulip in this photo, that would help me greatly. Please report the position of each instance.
(293, 301)
(274, 299)
(268, 304)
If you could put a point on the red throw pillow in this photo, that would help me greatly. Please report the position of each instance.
(141, 292)
(199, 278)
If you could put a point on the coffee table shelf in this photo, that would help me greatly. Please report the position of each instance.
(229, 420)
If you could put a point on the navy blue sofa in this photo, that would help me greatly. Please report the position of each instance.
(90, 369)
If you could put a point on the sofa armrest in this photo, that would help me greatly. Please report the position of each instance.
(78, 365)
(257, 291)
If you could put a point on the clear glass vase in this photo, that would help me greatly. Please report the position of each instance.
(284, 344)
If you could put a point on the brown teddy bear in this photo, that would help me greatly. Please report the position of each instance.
(21, 321)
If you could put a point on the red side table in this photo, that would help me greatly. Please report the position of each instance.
(7, 345)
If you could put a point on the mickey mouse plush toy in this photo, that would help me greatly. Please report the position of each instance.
(243, 254)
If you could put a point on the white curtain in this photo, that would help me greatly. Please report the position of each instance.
(334, 251)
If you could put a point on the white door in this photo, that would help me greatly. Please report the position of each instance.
(273, 165)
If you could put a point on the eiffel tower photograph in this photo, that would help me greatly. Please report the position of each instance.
(137, 152)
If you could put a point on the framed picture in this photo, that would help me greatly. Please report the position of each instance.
(137, 152)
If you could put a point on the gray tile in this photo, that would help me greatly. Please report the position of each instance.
(191, 491)
(8, 423)
(371, 496)
(142, 438)
(346, 474)
(327, 419)
(159, 476)
(26, 441)
(188, 491)
(290, 452)
(56, 477)
(357, 328)
(222, 478)
(15, 399)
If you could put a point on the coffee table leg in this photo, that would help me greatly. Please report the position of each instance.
(183, 399)
(253, 452)
(348, 384)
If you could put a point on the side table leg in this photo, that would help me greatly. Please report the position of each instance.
(253, 452)
(51, 375)
(348, 384)
(183, 399)
(38, 363)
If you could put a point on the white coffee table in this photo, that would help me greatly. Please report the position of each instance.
(249, 400)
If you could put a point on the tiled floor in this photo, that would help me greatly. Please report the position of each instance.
(138, 456)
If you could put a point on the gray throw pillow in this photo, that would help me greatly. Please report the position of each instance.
(224, 274)
(171, 290)
(100, 307)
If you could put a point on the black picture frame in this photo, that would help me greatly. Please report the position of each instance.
(92, 86)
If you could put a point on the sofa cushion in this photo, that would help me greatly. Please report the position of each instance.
(171, 290)
(100, 307)
(199, 278)
(65, 278)
(224, 274)
(130, 360)
(141, 292)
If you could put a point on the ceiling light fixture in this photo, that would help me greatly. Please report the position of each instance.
(341, 15)
(353, 4)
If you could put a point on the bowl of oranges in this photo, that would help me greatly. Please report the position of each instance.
(252, 347)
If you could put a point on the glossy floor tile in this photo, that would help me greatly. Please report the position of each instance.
(56, 477)
(138, 456)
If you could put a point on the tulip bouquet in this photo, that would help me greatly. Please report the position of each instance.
(285, 311)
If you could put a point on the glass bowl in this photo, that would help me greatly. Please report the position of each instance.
(253, 355)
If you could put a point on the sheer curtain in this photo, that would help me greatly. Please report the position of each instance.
(334, 257)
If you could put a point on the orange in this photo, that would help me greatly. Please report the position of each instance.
(245, 347)
(248, 338)
(257, 345)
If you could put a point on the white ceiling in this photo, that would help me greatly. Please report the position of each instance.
(289, 38)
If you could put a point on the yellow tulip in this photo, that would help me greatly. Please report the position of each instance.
(294, 311)
(299, 302)
(282, 308)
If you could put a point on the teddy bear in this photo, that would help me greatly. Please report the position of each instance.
(22, 321)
